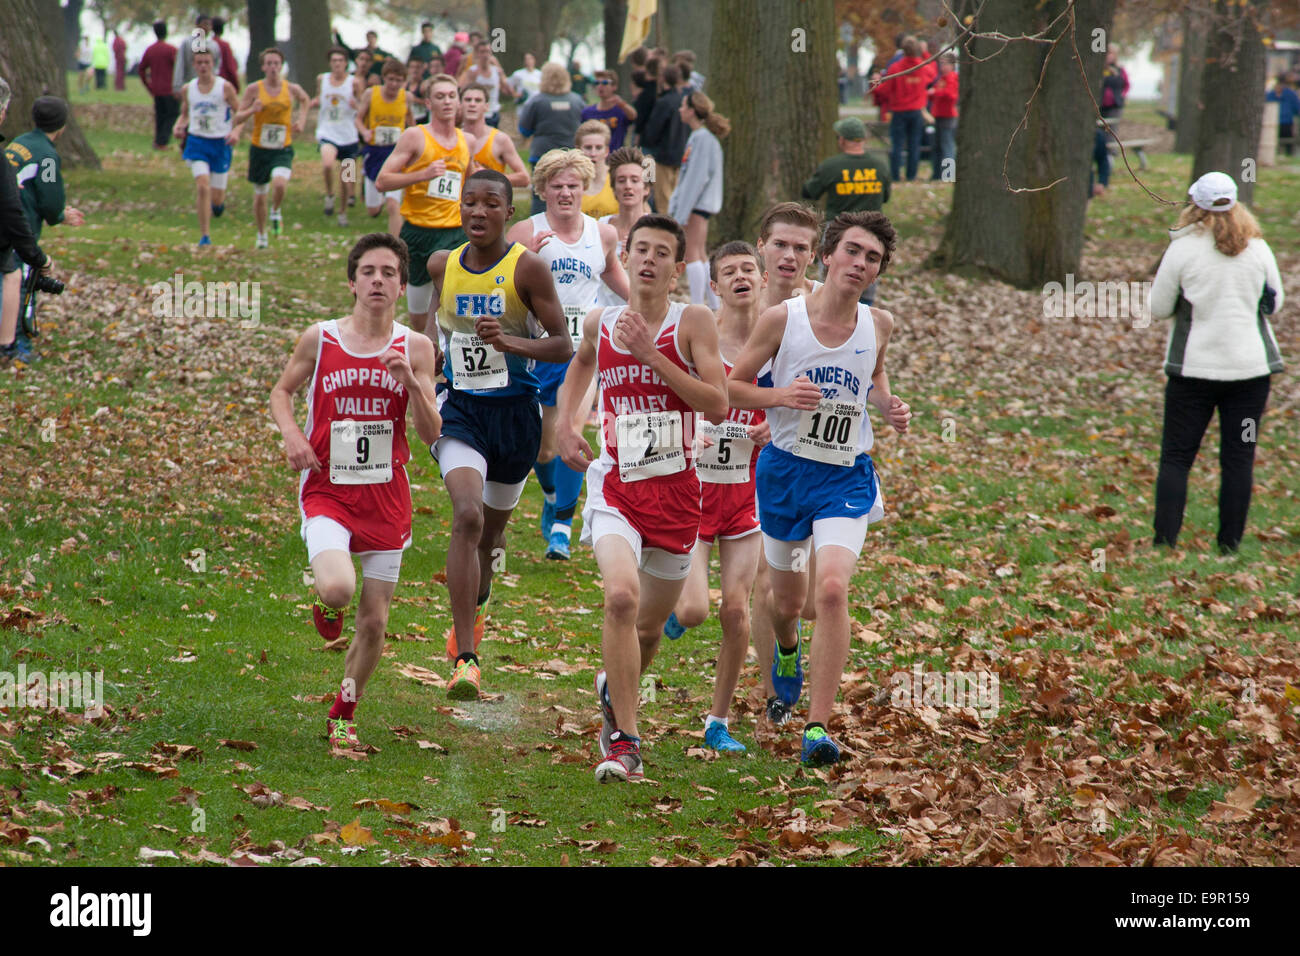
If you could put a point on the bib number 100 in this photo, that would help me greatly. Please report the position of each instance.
(831, 429)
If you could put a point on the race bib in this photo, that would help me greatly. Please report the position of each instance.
(829, 433)
(446, 186)
(573, 316)
(361, 453)
(726, 461)
(649, 445)
(334, 114)
(387, 135)
(205, 124)
(273, 135)
(475, 364)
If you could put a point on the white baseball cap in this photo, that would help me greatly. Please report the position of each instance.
(1210, 191)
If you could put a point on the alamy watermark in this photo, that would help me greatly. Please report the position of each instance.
(179, 299)
(1098, 300)
(979, 690)
(61, 690)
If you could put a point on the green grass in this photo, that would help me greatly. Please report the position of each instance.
(162, 448)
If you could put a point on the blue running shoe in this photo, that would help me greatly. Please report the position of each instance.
(716, 737)
(818, 748)
(673, 628)
(787, 673)
(205, 241)
(218, 210)
(557, 549)
(608, 722)
(548, 519)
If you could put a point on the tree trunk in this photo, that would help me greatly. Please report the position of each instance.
(529, 28)
(1030, 238)
(261, 34)
(32, 62)
(71, 13)
(615, 16)
(688, 25)
(1233, 92)
(772, 80)
(309, 38)
(1191, 67)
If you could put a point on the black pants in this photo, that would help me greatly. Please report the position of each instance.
(166, 109)
(1189, 406)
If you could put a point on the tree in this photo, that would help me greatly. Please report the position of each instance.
(775, 81)
(261, 34)
(32, 62)
(1232, 89)
(309, 38)
(615, 18)
(1042, 137)
(688, 25)
(71, 13)
(529, 28)
(1191, 69)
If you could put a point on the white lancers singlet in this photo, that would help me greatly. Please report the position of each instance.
(576, 270)
(839, 429)
(334, 122)
(607, 297)
(209, 113)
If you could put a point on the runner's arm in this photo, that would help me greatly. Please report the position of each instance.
(614, 276)
(707, 394)
(518, 173)
(248, 104)
(359, 120)
(437, 269)
(574, 449)
(409, 146)
(537, 291)
(301, 364)
(422, 356)
(232, 102)
(183, 119)
(897, 412)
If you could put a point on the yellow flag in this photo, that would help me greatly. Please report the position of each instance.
(637, 29)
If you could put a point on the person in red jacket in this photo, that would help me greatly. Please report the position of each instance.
(229, 70)
(876, 92)
(156, 66)
(943, 107)
(119, 61)
(906, 95)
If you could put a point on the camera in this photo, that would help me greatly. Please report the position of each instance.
(40, 282)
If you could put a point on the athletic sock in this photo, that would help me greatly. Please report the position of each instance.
(467, 656)
(563, 527)
(545, 472)
(812, 725)
(568, 486)
(710, 720)
(697, 274)
(343, 709)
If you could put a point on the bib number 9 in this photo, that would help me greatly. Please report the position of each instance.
(361, 453)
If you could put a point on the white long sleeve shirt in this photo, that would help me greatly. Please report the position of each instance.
(700, 184)
(1220, 307)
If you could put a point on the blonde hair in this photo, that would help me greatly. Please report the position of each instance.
(717, 124)
(555, 79)
(561, 160)
(591, 127)
(1232, 229)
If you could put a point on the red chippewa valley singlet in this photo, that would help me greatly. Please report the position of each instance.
(646, 429)
(356, 423)
(731, 459)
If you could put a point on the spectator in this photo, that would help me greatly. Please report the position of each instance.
(644, 102)
(943, 107)
(184, 70)
(551, 118)
(416, 69)
(84, 69)
(878, 92)
(578, 80)
(1284, 95)
(665, 136)
(1114, 89)
(898, 50)
(853, 180)
(455, 53)
(485, 71)
(119, 62)
(698, 194)
(593, 139)
(1219, 281)
(526, 80)
(377, 56)
(157, 66)
(229, 67)
(99, 58)
(906, 94)
(610, 108)
(426, 49)
(27, 160)
(685, 60)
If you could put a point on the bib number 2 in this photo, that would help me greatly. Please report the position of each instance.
(649, 445)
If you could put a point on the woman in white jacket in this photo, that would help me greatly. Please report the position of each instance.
(1219, 281)
(699, 189)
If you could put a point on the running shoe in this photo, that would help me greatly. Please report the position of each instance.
(548, 519)
(778, 712)
(558, 548)
(218, 210)
(343, 733)
(343, 219)
(277, 223)
(608, 724)
(262, 242)
(464, 681)
(204, 241)
(717, 737)
(352, 200)
(673, 628)
(20, 350)
(480, 625)
(328, 620)
(818, 748)
(329, 205)
(787, 672)
(623, 762)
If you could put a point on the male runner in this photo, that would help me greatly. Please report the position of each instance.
(728, 511)
(270, 158)
(816, 484)
(429, 163)
(488, 290)
(366, 371)
(336, 130)
(658, 364)
(629, 177)
(381, 117)
(497, 150)
(581, 254)
(207, 103)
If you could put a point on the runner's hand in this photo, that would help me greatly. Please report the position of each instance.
(899, 414)
(632, 333)
(574, 449)
(535, 244)
(489, 330)
(801, 394)
(298, 450)
(760, 434)
(400, 368)
(433, 170)
(73, 217)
